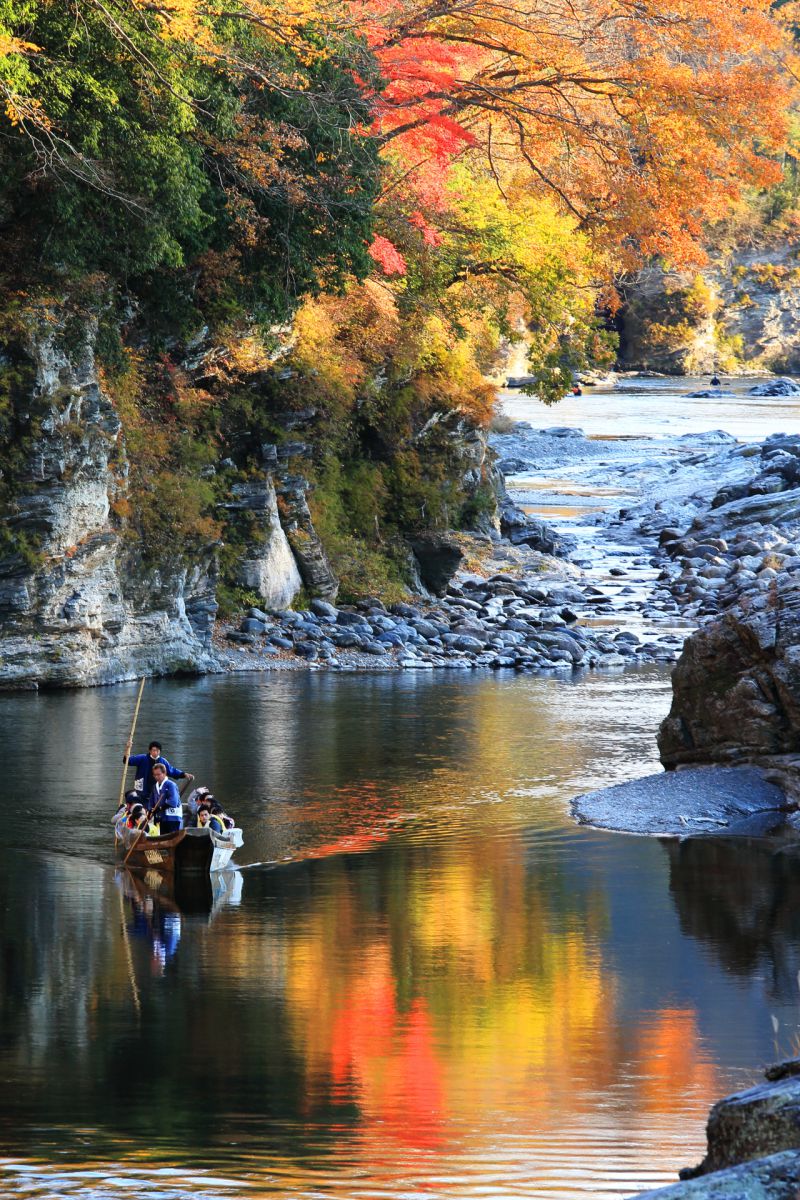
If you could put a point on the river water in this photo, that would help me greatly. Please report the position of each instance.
(424, 982)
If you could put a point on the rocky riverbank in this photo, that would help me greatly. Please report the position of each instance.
(726, 520)
(621, 585)
(532, 599)
(499, 622)
(84, 600)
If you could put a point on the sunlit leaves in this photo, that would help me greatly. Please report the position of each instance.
(145, 138)
(643, 120)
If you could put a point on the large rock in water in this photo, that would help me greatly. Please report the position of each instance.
(680, 803)
(776, 387)
(736, 686)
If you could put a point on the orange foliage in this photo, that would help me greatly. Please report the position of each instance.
(644, 119)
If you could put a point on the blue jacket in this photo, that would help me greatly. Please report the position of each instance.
(144, 771)
(168, 805)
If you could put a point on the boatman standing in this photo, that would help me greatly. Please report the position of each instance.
(143, 784)
(164, 801)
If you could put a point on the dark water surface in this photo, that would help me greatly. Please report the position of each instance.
(445, 990)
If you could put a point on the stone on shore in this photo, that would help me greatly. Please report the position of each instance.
(774, 1178)
(686, 803)
(753, 1144)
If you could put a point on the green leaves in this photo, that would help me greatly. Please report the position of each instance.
(137, 146)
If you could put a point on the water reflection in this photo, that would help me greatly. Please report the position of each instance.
(741, 898)
(448, 989)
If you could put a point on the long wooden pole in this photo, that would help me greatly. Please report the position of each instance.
(129, 743)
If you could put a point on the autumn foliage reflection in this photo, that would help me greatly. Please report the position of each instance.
(470, 987)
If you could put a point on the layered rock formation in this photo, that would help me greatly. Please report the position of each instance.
(741, 315)
(85, 597)
(268, 567)
(81, 608)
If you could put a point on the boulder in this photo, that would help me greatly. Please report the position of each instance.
(321, 608)
(425, 629)
(282, 643)
(776, 387)
(251, 625)
(774, 1178)
(470, 644)
(761, 1121)
(307, 650)
(736, 686)
(356, 620)
(245, 639)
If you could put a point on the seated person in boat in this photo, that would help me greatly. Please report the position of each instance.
(124, 810)
(144, 763)
(165, 801)
(205, 820)
(219, 821)
(138, 819)
(197, 796)
(217, 811)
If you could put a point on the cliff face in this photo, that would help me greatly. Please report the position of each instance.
(85, 598)
(81, 608)
(739, 315)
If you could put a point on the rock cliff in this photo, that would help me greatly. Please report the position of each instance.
(77, 603)
(741, 314)
(87, 597)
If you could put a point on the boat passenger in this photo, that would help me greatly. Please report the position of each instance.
(138, 819)
(197, 796)
(144, 764)
(217, 811)
(165, 801)
(205, 820)
(124, 810)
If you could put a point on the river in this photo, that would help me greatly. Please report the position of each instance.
(425, 980)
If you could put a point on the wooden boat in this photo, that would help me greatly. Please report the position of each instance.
(189, 851)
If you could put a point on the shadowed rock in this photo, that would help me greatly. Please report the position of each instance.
(736, 686)
(439, 556)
